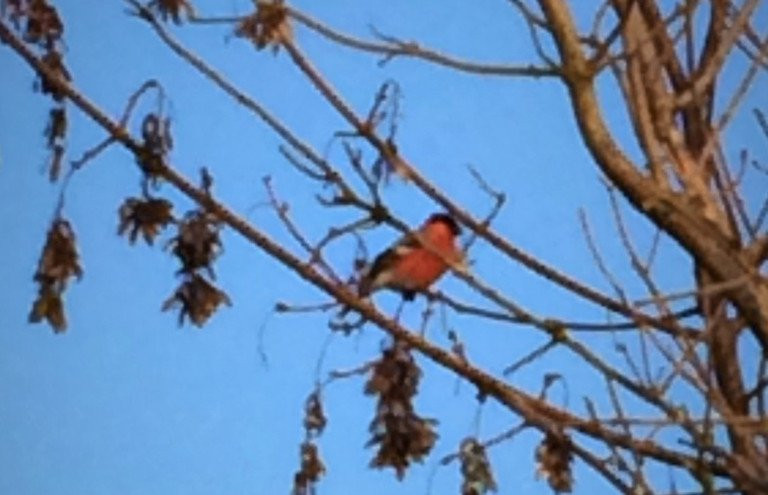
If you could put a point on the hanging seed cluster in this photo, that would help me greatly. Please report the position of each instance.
(401, 435)
(196, 246)
(39, 22)
(197, 243)
(145, 216)
(553, 458)
(55, 135)
(267, 26)
(40, 26)
(59, 262)
(314, 416)
(311, 467)
(476, 473)
(158, 142)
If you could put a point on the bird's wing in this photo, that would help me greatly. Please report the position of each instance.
(371, 279)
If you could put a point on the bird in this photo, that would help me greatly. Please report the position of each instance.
(417, 260)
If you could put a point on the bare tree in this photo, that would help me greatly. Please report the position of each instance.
(665, 61)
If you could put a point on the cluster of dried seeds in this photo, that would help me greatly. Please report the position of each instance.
(146, 216)
(196, 246)
(197, 243)
(158, 142)
(55, 62)
(475, 469)
(314, 417)
(267, 26)
(402, 435)
(198, 299)
(553, 458)
(311, 465)
(312, 468)
(58, 263)
(41, 26)
(41, 22)
(55, 134)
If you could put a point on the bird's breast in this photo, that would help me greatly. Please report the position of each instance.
(419, 269)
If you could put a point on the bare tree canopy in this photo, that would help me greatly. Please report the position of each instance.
(473, 246)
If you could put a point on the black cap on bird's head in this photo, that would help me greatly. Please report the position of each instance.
(447, 220)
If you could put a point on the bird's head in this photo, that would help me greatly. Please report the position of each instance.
(445, 220)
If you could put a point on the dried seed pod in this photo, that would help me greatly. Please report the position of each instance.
(54, 168)
(58, 263)
(396, 373)
(55, 62)
(268, 26)
(50, 307)
(43, 24)
(553, 458)
(198, 300)
(197, 243)
(312, 468)
(475, 469)
(145, 216)
(402, 435)
(56, 130)
(314, 417)
(59, 260)
(156, 132)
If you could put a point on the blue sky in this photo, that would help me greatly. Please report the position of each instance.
(127, 402)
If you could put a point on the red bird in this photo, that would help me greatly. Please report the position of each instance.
(417, 260)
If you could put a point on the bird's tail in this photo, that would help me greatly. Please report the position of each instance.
(365, 286)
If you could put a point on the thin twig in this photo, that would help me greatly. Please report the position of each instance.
(706, 290)
(392, 47)
(529, 358)
(464, 308)
(499, 197)
(599, 259)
